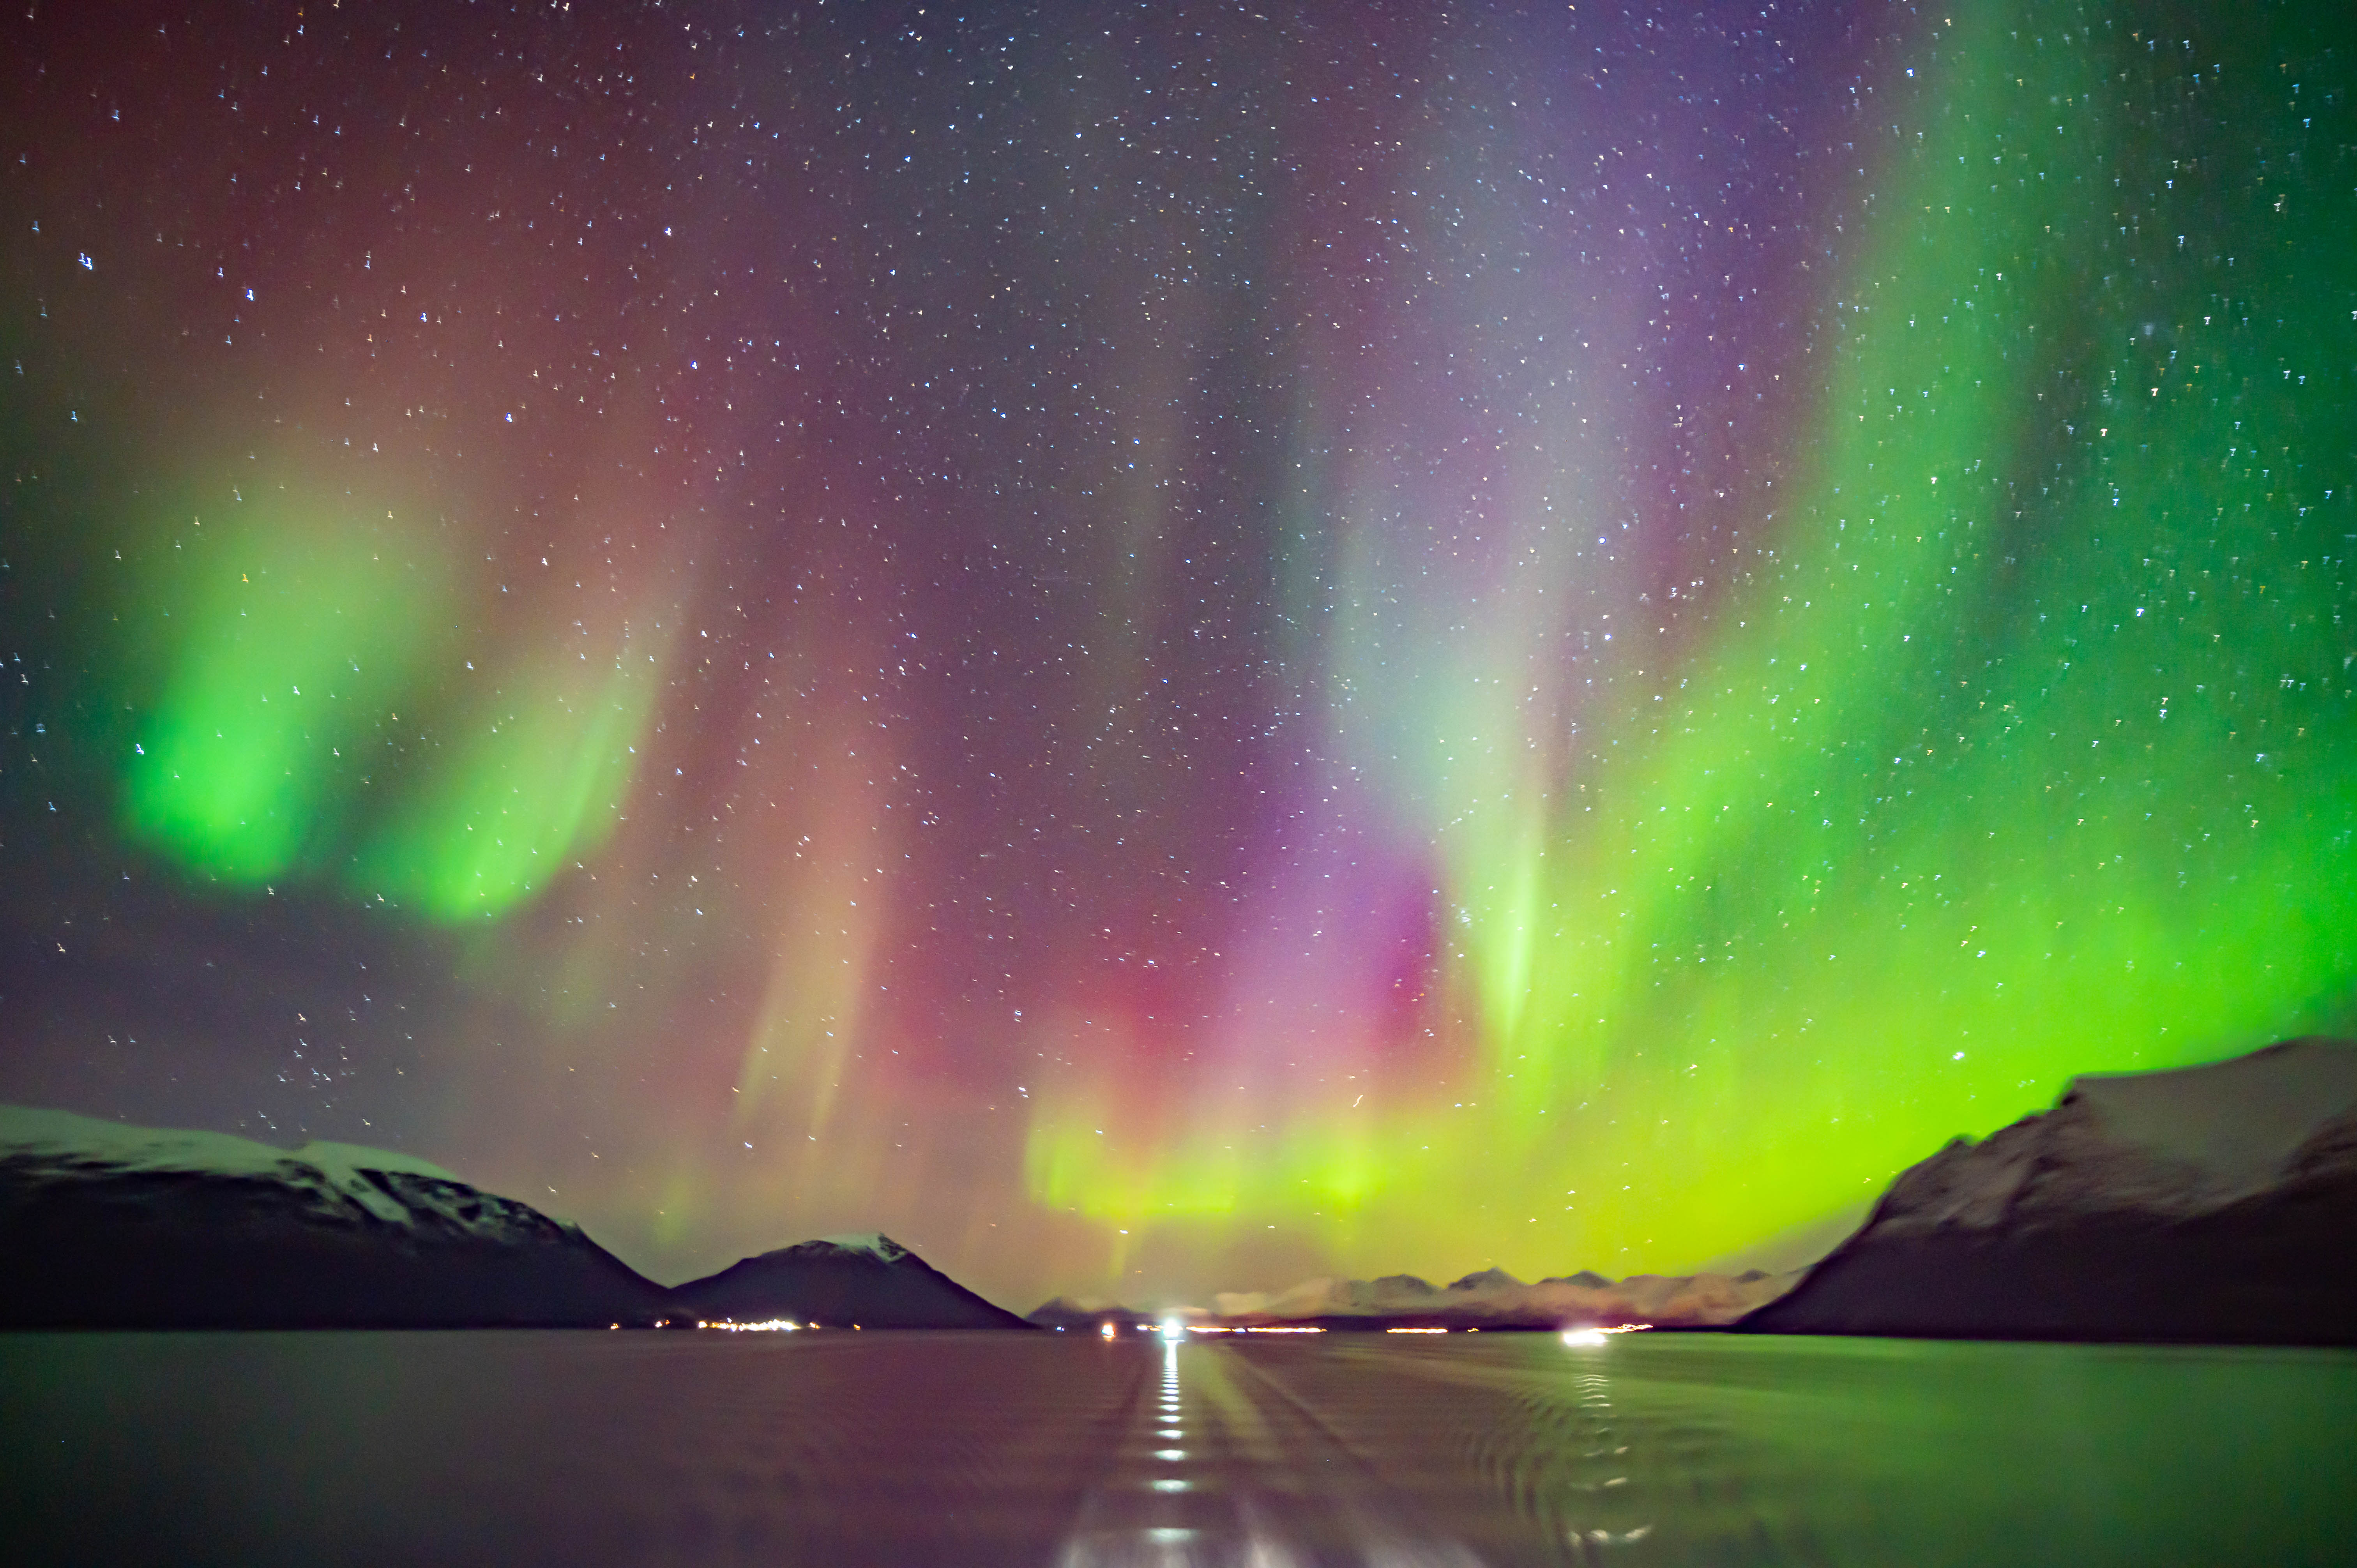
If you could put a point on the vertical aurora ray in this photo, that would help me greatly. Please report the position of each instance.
(1426, 581)
(1916, 828)
(541, 775)
(815, 992)
(281, 634)
(1963, 783)
(1726, 874)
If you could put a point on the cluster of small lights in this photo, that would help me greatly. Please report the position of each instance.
(1175, 1328)
(767, 1325)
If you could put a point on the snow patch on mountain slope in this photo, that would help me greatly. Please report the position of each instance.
(60, 1134)
(873, 1243)
(60, 1149)
(2178, 1144)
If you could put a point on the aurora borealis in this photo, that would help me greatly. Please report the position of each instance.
(1169, 648)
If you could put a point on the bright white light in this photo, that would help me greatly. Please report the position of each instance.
(1583, 1336)
(1109, 1331)
(1173, 1330)
(770, 1325)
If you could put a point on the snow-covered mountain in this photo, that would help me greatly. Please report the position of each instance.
(1495, 1299)
(107, 1225)
(1063, 1314)
(840, 1282)
(1489, 1299)
(2205, 1204)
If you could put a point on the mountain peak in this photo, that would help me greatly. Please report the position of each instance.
(874, 1243)
(1486, 1279)
(865, 1279)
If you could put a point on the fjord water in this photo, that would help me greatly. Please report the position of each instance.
(1064, 1450)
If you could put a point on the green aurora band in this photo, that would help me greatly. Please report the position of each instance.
(282, 643)
(2023, 752)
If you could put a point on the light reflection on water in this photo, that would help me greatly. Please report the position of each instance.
(1069, 1451)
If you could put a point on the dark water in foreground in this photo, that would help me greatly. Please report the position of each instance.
(522, 1448)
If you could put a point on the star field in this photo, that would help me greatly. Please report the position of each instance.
(1164, 648)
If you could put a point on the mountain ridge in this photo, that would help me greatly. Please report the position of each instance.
(1490, 1298)
(2213, 1204)
(865, 1280)
(105, 1225)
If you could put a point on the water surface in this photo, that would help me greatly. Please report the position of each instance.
(589, 1449)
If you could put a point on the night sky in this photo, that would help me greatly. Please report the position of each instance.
(1168, 647)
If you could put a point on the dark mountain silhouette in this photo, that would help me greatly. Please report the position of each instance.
(107, 1226)
(1061, 1312)
(841, 1282)
(104, 1225)
(1486, 1279)
(2213, 1204)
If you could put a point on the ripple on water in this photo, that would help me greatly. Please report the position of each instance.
(987, 1449)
